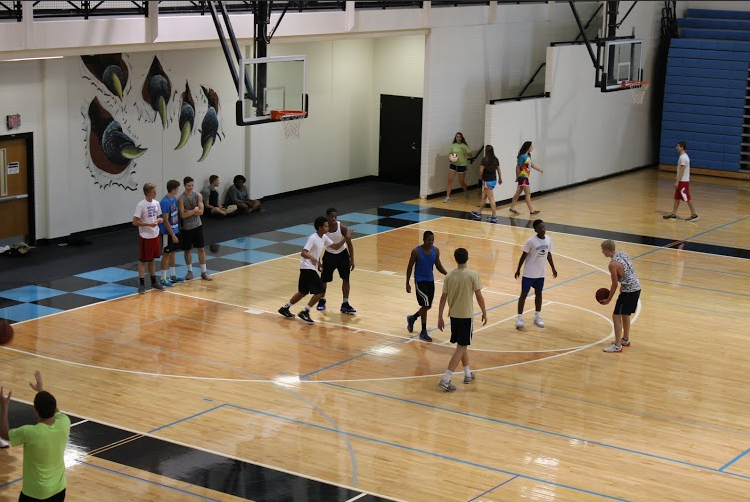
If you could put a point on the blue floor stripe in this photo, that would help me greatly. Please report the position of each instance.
(493, 488)
(735, 459)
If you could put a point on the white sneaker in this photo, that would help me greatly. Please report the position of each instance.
(519, 323)
(613, 348)
(446, 200)
(538, 321)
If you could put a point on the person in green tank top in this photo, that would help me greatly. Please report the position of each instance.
(43, 445)
(461, 149)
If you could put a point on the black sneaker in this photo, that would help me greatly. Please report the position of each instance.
(424, 336)
(305, 316)
(693, 217)
(285, 312)
(347, 309)
(670, 216)
(158, 286)
(410, 320)
(321, 304)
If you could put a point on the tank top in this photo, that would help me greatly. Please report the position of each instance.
(629, 281)
(336, 237)
(490, 169)
(423, 270)
(188, 203)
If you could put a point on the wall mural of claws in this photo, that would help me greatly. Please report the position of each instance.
(210, 124)
(187, 116)
(157, 90)
(110, 70)
(110, 149)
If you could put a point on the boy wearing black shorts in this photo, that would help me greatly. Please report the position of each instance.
(459, 286)
(309, 281)
(423, 260)
(621, 270)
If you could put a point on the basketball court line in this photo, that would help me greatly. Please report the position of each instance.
(493, 488)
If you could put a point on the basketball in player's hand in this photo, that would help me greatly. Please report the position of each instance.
(6, 332)
(602, 294)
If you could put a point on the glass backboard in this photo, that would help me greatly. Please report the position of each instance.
(623, 62)
(268, 84)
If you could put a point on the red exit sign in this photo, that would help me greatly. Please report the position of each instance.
(13, 121)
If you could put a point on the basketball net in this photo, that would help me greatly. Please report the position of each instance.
(638, 91)
(292, 124)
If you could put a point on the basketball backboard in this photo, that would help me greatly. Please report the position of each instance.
(623, 61)
(270, 84)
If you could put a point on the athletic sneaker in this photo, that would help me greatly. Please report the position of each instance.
(174, 278)
(625, 343)
(447, 386)
(166, 282)
(492, 219)
(321, 304)
(446, 200)
(410, 320)
(424, 336)
(347, 309)
(693, 217)
(285, 312)
(305, 316)
(476, 215)
(189, 275)
(158, 286)
(470, 378)
(670, 216)
(613, 348)
(141, 289)
(538, 321)
(205, 276)
(519, 323)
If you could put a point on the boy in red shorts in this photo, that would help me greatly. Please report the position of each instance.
(682, 184)
(147, 218)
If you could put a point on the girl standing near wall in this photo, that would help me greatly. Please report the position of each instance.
(461, 149)
(523, 169)
(489, 173)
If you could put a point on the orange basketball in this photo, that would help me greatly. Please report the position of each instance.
(602, 294)
(6, 332)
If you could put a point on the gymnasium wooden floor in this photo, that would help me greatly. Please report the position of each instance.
(352, 401)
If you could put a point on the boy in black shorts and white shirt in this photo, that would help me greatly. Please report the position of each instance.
(309, 280)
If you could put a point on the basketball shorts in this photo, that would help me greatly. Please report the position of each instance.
(192, 238)
(461, 330)
(458, 169)
(528, 282)
(490, 184)
(58, 497)
(335, 261)
(522, 181)
(148, 249)
(425, 291)
(309, 282)
(682, 192)
(627, 303)
(169, 245)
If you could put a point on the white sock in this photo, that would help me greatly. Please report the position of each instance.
(537, 314)
(520, 317)
(164, 274)
(467, 371)
(172, 272)
(346, 300)
(447, 376)
(203, 268)
(190, 267)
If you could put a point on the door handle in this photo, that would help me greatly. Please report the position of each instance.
(14, 197)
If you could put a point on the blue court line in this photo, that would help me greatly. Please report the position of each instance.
(137, 478)
(425, 452)
(8, 483)
(711, 271)
(735, 459)
(185, 419)
(535, 429)
(494, 488)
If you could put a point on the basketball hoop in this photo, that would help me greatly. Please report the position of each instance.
(292, 121)
(638, 89)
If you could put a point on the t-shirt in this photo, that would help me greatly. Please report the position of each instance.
(536, 262)
(314, 245)
(148, 212)
(235, 194)
(524, 165)
(211, 196)
(684, 160)
(169, 207)
(43, 453)
(190, 202)
(459, 285)
(462, 150)
(490, 169)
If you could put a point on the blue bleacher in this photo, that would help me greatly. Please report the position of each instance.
(706, 89)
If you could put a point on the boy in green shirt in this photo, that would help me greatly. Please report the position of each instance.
(44, 445)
